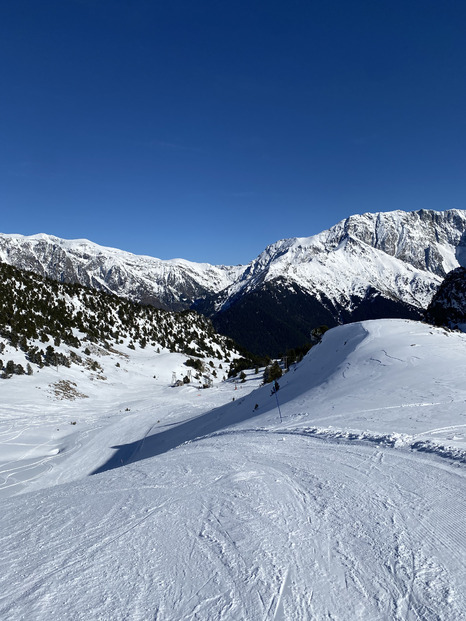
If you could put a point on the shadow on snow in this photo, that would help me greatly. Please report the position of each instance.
(315, 371)
(153, 444)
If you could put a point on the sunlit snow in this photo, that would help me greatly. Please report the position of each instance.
(205, 506)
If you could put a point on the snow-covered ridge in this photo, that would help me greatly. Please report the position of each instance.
(400, 254)
(169, 283)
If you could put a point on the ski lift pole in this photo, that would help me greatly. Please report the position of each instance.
(278, 406)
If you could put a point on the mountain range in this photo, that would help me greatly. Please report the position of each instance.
(367, 266)
(170, 285)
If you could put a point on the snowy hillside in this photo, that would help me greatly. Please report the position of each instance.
(208, 506)
(46, 323)
(398, 253)
(171, 284)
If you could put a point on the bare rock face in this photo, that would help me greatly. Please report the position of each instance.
(417, 238)
(448, 306)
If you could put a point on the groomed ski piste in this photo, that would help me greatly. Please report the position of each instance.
(143, 501)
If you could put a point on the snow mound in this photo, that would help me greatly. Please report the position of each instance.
(391, 381)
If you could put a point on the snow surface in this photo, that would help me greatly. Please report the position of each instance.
(205, 506)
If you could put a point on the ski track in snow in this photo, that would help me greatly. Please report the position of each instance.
(246, 518)
(284, 528)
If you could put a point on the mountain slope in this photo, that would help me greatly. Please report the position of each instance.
(366, 267)
(351, 507)
(171, 284)
(448, 306)
(46, 323)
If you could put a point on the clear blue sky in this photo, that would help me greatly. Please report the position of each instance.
(208, 129)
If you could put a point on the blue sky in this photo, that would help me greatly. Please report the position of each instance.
(209, 129)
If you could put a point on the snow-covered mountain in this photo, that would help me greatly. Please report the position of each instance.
(341, 496)
(171, 285)
(398, 253)
(365, 267)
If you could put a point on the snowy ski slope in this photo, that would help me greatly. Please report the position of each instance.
(204, 507)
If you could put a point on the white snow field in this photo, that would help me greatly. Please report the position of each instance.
(204, 508)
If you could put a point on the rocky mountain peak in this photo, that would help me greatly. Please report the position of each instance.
(428, 240)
